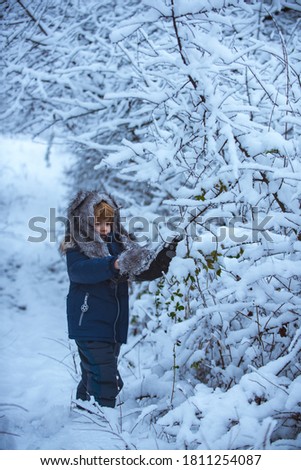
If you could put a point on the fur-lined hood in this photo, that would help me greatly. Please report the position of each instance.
(81, 232)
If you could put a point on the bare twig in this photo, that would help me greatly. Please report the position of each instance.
(32, 17)
(192, 81)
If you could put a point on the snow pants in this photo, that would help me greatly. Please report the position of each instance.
(100, 376)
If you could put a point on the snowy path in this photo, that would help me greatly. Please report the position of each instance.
(37, 361)
(37, 371)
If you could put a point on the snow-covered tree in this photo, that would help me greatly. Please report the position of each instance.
(57, 65)
(192, 110)
(220, 82)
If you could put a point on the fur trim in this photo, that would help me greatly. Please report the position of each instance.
(81, 221)
(135, 260)
(132, 261)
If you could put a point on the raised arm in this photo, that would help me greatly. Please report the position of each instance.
(84, 270)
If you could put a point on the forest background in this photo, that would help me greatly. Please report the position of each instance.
(189, 112)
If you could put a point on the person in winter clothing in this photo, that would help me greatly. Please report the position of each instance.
(101, 258)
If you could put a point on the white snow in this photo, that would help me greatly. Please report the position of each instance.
(39, 364)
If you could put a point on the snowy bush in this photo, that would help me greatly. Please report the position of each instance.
(192, 110)
(222, 151)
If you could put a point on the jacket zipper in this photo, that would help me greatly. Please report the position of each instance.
(117, 375)
(84, 308)
(118, 311)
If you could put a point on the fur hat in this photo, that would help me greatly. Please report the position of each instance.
(132, 261)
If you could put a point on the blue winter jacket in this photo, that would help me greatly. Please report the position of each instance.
(97, 302)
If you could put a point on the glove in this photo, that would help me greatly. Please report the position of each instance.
(135, 260)
(161, 262)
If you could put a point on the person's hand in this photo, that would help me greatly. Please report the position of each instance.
(116, 264)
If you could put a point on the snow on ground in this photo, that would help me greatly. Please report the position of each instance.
(37, 371)
(39, 365)
(35, 383)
